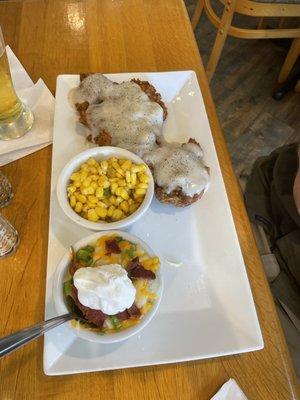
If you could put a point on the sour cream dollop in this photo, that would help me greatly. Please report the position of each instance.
(106, 288)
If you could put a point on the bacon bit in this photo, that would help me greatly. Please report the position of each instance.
(96, 317)
(74, 267)
(136, 270)
(112, 246)
(123, 315)
(134, 311)
(135, 262)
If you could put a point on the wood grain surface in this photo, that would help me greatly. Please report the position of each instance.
(59, 36)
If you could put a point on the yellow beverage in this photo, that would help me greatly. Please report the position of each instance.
(10, 105)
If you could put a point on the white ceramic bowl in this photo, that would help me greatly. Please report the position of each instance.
(60, 303)
(100, 153)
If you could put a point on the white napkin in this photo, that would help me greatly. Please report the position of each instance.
(230, 391)
(40, 100)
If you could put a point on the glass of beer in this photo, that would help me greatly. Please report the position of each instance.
(15, 117)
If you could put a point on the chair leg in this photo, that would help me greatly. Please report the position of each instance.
(220, 38)
(281, 23)
(197, 13)
(262, 23)
(290, 60)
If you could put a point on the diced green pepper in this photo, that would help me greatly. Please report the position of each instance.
(115, 321)
(118, 239)
(85, 255)
(67, 287)
(107, 192)
(129, 253)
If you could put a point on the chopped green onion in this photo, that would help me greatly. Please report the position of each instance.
(67, 287)
(85, 255)
(118, 239)
(116, 322)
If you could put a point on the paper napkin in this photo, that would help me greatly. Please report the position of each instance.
(40, 100)
(230, 391)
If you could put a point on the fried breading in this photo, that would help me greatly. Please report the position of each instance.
(146, 87)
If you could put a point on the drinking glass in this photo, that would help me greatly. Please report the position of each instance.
(15, 117)
(9, 238)
(6, 192)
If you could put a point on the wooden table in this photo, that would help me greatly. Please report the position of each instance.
(60, 36)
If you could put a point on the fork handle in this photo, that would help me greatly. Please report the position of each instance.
(15, 340)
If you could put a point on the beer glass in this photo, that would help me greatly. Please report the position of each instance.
(15, 117)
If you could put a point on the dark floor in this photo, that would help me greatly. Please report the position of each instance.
(253, 123)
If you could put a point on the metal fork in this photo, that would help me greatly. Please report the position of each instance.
(15, 340)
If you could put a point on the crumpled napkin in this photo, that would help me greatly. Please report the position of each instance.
(230, 391)
(40, 100)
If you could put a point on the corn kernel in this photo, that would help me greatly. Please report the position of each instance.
(77, 184)
(143, 177)
(142, 186)
(110, 211)
(137, 168)
(72, 201)
(115, 165)
(85, 208)
(86, 182)
(133, 207)
(106, 184)
(81, 198)
(113, 187)
(117, 214)
(127, 176)
(121, 182)
(126, 165)
(88, 190)
(104, 165)
(83, 175)
(78, 207)
(101, 212)
(133, 178)
(140, 192)
(93, 170)
(124, 206)
(84, 167)
(118, 191)
(91, 205)
(71, 189)
(124, 194)
(113, 199)
(111, 160)
(102, 204)
(91, 161)
(99, 192)
(93, 199)
(75, 176)
(94, 177)
(92, 215)
(94, 185)
(119, 200)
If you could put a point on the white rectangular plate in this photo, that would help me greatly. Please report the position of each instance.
(207, 308)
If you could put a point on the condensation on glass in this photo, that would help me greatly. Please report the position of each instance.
(15, 117)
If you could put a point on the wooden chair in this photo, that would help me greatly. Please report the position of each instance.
(289, 62)
(259, 8)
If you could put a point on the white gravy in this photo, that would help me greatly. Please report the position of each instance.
(177, 165)
(123, 110)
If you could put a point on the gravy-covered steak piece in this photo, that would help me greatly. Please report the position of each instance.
(179, 173)
(128, 114)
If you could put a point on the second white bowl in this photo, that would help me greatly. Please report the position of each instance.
(102, 153)
(61, 306)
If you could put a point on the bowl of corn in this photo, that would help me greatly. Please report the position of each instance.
(105, 188)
